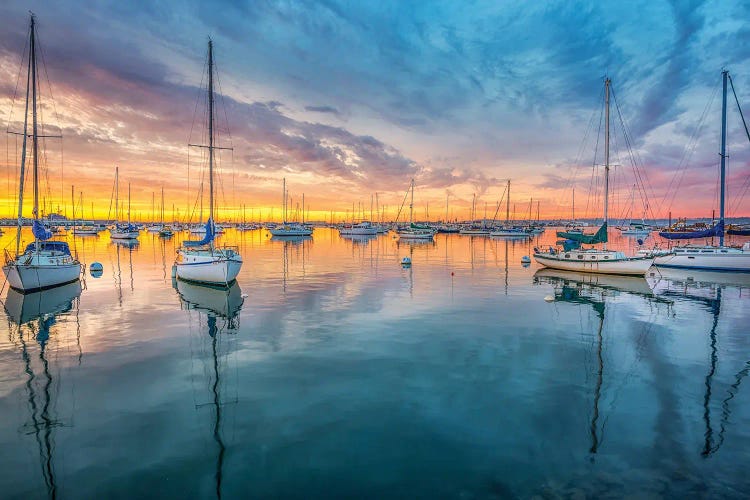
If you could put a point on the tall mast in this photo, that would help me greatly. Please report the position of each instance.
(446, 207)
(411, 204)
(162, 206)
(723, 151)
(507, 205)
(73, 201)
(34, 137)
(211, 131)
(303, 208)
(128, 206)
(283, 200)
(23, 150)
(574, 204)
(117, 194)
(606, 153)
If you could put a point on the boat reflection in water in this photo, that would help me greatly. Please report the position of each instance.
(220, 306)
(705, 289)
(34, 315)
(594, 290)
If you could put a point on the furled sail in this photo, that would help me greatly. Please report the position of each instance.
(589, 239)
(40, 232)
(206, 239)
(717, 230)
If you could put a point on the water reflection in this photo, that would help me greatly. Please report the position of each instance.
(705, 289)
(220, 307)
(32, 317)
(594, 290)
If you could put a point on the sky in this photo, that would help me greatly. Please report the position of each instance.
(351, 100)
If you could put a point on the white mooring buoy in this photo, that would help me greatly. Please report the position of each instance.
(525, 259)
(549, 298)
(406, 261)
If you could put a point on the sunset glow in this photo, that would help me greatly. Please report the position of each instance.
(349, 104)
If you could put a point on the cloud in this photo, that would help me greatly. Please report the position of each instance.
(323, 109)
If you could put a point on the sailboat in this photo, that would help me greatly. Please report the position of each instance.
(156, 228)
(201, 261)
(289, 228)
(508, 230)
(122, 231)
(708, 257)
(595, 260)
(635, 228)
(43, 264)
(164, 231)
(81, 229)
(414, 231)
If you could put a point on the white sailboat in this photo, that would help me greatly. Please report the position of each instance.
(202, 261)
(43, 264)
(508, 231)
(595, 260)
(414, 231)
(121, 231)
(289, 228)
(165, 231)
(708, 257)
(82, 229)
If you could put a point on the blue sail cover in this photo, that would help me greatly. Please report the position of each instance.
(40, 232)
(206, 239)
(717, 230)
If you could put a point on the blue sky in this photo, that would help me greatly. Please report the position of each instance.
(349, 98)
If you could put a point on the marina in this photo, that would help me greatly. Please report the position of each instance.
(171, 329)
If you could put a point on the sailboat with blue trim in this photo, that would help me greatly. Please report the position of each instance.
(43, 264)
(201, 261)
(594, 260)
(708, 257)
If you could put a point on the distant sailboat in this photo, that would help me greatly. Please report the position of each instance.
(43, 264)
(594, 260)
(708, 257)
(122, 231)
(289, 228)
(201, 261)
(414, 231)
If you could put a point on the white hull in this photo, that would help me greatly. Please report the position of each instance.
(86, 232)
(123, 235)
(406, 235)
(358, 231)
(707, 258)
(35, 277)
(594, 262)
(290, 232)
(154, 229)
(201, 266)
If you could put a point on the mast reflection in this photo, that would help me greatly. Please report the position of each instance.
(593, 290)
(706, 289)
(221, 307)
(33, 316)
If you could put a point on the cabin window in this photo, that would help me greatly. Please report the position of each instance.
(567, 255)
(606, 257)
(692, 251)
(593, 257)
(723, 251)
(706, 251)
(580, 256)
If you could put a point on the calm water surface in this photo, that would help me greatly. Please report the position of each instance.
(328, 370)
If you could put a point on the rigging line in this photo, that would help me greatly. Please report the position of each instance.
(57, 115)
(593, 182)
(687, 154)
(581, 149)
(739, 108)
(743, 191)
(640, 174)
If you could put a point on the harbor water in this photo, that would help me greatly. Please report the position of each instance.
(331, 370)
